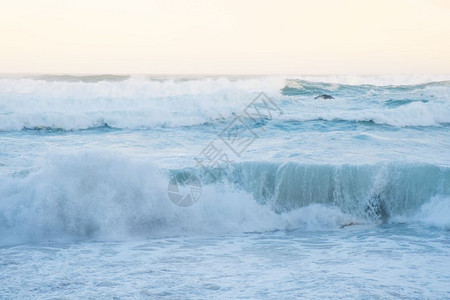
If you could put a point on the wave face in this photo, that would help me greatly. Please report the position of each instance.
(139, 102)
(373, 191)
(111, 196)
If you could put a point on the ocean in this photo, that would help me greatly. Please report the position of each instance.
(203, 187)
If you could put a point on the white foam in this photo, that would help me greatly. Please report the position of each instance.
(133, 103)
(413, 114)
(436, 212)
(110, 196)
(432, 113)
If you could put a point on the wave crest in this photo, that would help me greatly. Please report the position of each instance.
(106, 195)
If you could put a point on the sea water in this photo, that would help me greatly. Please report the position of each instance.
(293, 196)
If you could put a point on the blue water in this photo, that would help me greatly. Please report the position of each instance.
(340, 198)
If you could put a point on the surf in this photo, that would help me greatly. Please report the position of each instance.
(94, 195)
(72, 103)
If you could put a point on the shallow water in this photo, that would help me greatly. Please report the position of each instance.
(355, 262)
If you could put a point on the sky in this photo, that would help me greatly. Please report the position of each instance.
(225, 37)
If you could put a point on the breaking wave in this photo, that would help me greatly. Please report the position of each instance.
(137, 102)
(110, 196)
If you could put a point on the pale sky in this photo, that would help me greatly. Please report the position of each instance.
(225, 36)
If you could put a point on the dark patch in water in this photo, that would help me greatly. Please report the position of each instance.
(376, 208)
(324, 97)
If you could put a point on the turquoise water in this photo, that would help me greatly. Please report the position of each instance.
(348, 197)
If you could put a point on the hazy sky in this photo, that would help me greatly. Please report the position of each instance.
(225, 36)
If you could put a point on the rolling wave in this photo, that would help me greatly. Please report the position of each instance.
(131, 102)
(412, 114)
(107, 195)
(303, 87)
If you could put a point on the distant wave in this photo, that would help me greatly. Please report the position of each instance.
(412, 114)
(131, 103)
(372, 80)
(68, 103)
(168, 113)
(107, 195)
(304, 87)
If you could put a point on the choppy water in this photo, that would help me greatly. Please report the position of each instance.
(85, 164)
